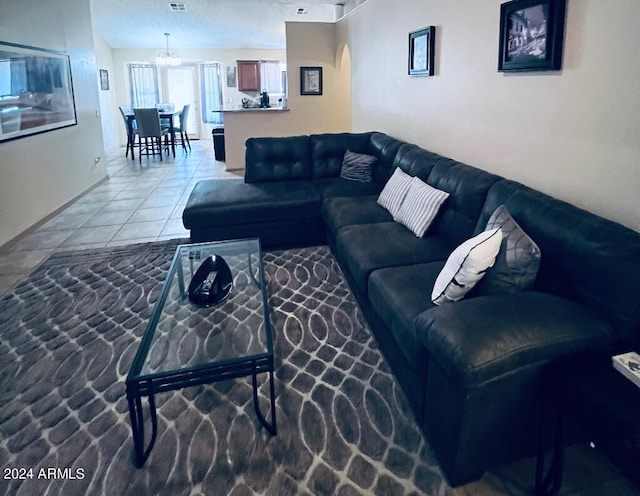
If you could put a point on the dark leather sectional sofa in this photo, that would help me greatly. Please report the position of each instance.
(471, 370)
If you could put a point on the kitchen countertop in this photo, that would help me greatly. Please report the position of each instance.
(257, 109)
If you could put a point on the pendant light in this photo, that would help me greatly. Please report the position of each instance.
(167, 57)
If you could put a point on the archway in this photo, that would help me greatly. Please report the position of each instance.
(343, 65)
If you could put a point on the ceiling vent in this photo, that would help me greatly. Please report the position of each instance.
(303, 11)
(178, 6)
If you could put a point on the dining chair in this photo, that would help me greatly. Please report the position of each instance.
(132, 132)
(182, 128)
(149, 129)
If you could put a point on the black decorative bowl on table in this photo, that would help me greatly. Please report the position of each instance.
(211, 283)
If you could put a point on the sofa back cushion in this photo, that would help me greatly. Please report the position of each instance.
(584, 257)
(467, 187)
(416, 161)
(327, 151)
(385, 148)
(277, 159)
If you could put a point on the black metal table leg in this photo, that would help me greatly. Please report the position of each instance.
(549, 484)
(271, 427)
(137, 427)
(255, 279)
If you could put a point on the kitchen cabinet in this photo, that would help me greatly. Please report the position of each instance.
(248, 75)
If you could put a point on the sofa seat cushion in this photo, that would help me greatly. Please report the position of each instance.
(231, 202)
(398, 295)
(345, 211)
(332, 187)
(367, 247)
(480, 339)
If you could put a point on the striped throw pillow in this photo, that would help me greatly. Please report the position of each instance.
(394, 191)
(420, 206)
(357, 167)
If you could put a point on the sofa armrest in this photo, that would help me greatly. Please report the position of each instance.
(277, 159)
(480, 339)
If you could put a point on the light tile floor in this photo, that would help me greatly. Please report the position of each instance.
(140, 202)
(144, 202)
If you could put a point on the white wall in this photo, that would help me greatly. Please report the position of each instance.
(574, 134)
(109, 118)
(41, 173)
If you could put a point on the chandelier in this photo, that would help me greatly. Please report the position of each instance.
(167, 57)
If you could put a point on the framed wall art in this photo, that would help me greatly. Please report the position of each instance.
(531, 35)
(422, 52)
(104, 80)
(311, 80)
(36, 91)
(232, 78)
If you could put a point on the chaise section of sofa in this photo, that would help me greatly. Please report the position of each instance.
(286, 180)
(280, 213)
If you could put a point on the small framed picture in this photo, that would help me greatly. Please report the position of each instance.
(311, 80)
(422, 51)
(531, 35)
(231, 77)
(104, 80)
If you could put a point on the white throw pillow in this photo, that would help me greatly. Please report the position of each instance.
(465, 266)
(394, 191)
(420, 206)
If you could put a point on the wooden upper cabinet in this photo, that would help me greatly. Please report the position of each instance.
(249, 75)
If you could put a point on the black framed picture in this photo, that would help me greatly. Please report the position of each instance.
(422, 51)
(36, 90)
(104, 80)
(531, 35)
(311, 80)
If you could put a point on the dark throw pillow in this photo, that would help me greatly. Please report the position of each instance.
(518, 260)
(357, 167)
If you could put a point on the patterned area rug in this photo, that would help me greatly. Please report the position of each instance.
(68, 335)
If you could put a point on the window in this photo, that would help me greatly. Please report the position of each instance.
(271, 76)
(13, 77)
(143, 79)
(5, 78)
(211, 88)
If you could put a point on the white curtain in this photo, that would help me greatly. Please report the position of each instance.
(211, 92)
(143, 80)
(270, 76)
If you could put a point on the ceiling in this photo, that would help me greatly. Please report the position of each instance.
(205, 23)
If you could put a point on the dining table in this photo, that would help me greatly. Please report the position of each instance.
(165, 114)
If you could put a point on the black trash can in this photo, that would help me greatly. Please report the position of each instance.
(218, 143)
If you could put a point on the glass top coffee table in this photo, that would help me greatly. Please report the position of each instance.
(187, 345)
